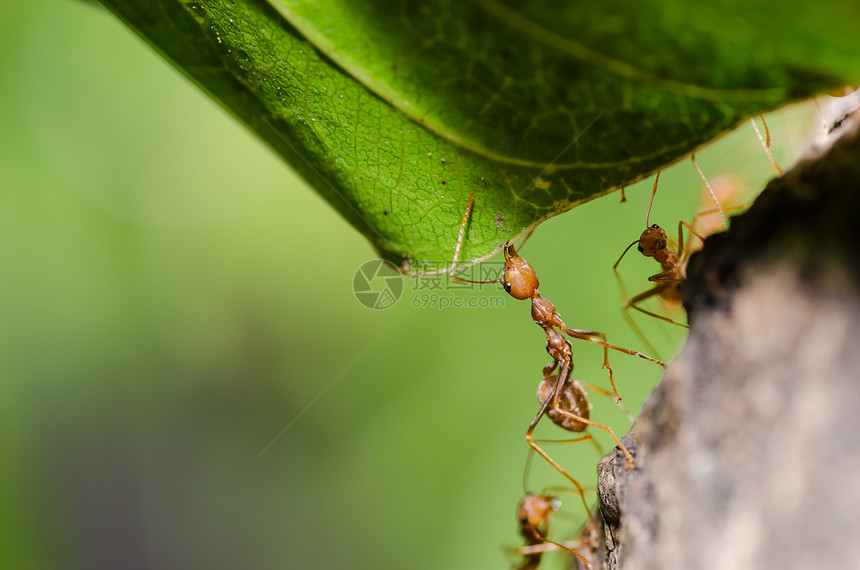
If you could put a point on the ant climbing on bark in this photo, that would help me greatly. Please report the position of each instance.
(533, 514)
(654, 242)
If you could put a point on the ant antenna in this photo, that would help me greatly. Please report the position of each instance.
(462, 231)
(527, 470)
(710, 190)
(651, 203)
(821, 118)
(765, 142)
(526, 238)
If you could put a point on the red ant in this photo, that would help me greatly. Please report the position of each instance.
(520, 281)
(533, 515)
(654, 242)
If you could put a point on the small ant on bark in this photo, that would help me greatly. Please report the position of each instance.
(533, 514)
(654, 242)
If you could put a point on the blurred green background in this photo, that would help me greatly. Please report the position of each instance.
(186, 379)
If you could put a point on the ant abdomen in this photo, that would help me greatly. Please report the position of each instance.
(572, 399)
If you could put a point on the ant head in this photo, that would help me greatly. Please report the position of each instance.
(534, 510)
(519, 279)
(652, 240)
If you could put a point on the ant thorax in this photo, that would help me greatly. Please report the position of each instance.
(544, 313)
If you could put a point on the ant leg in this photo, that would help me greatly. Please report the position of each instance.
(594, 443)
(765, 143)
(560, 545)
(710, 190)
(600, 338)
(691, 226)
(665, 277)
(462, 232)
(685, 247)
(634, 305)
(577, 418)
(460, 235)
(625, 305)
(824, 126)
(528, 466)
(625, 312)
(577, 399)
(551, 546)
(589, 336)
(662, 280)
(605, 428)
(526, 238)
(562, 377)
(459, 245)
(549, 369)
(588, 437)
(557, 467)
(602, 392)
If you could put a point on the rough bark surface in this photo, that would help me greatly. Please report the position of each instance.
(747, 452)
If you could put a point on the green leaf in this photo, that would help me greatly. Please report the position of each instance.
(396, 111)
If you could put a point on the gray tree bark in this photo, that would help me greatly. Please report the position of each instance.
(747, 453)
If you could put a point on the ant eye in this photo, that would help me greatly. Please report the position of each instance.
(507, 287)
(640, 248)
(655, 226)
